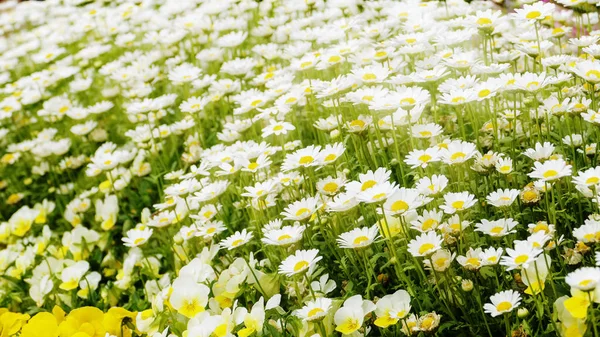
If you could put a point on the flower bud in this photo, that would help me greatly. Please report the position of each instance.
(522, 312)
(334, 133)
(466, 285)
(98, 135)
(178, 239)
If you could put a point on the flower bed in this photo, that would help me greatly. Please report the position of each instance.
(299, 168)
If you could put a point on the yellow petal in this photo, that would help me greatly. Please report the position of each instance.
(245, 332)
(58, 313)
(348, 327)
(577, 306)
(573, 331)
(41, 325)
(385, 321)
(69, 285)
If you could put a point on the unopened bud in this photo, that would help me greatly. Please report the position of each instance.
(334, 133)
(522, 312)
(466, 285)
(178, 239)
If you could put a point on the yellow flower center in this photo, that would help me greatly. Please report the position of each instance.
(458, 204)
(424, 158)
(484, 21)
(379, 196)
(300, 265)
(304, 160)
(497, 230)
(367, 98)
(441, 261)
(427, 323)
(504, 306)
(368, 184)
(592, 180)
(357, 123)
(458, 155)
(429, 223)
(533, 15)
(408, 101)
(522, 259)
(330, 187)
(284, 237)
(593, 74)
(530, 195)
(550, 174)
(380, 53)
(302, 211)
(425, 248)
(314, 311)
(369, 77)
(334, 59)
(541, 227)
(399, 206)
(473, 261)
(360, 240)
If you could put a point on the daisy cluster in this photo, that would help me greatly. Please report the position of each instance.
(206, 168)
